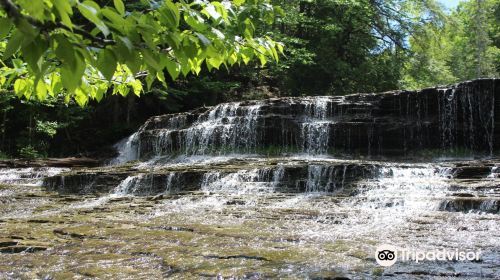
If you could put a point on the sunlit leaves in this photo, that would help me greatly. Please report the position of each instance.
(106, 63)
(169, 14)
(85, 51)
(13, 45)
(90, 10)
(120, 7)
(64, 10)
(5, 26)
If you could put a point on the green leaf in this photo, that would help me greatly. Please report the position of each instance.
(14, 44)
(134, 62)
(65, 52)
(169, 14)
(20, 87)
(137, 87)
(173, 69)
(65, 10)
(106, 63)
(55, 84)
(5, 26)
(41, 91)
(122, 89)
(81, 97)
(151, 60)
(120, 7)
(161, 78)
(238, 2)
(214, 62)
(114, 18)
(100, 92)
(204, 40)
(195, 20)
(149, 80)
(27, 29)
(90, 10)
(72, 77)
(210, 11)
(127, 43)
(33, 53)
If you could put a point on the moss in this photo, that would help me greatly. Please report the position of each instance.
(378, 271)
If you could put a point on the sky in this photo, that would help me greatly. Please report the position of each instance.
(450, 3)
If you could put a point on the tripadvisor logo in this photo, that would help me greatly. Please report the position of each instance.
(387, 255)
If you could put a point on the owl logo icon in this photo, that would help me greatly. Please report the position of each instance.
(386, 255)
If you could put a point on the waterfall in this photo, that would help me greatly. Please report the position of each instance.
(226, 128)
(448, 117)
(467, 117)
(241, 182)
(148, 184)
(127, 186)
(172, 179)
(127, 149)
(315, 130)
(322, 179)
(325, 178)
(278, 176)
(28, 176)
(458, 118)
(406, 188)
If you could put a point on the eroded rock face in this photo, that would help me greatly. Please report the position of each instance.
(462, 117)
(389, 126)
(294, 177)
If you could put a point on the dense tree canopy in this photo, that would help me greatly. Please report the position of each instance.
(83, 48)
(464, 46)
(79, 51)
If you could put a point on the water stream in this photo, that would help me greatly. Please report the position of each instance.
(283, 188)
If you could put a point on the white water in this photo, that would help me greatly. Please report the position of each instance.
(127, 149)
(315, 130)
(28, 176)
(242, 182)
(223, 128)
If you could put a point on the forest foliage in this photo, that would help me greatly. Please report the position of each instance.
(60, 59)
(82, 49)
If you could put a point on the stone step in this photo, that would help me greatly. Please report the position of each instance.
(458, 119)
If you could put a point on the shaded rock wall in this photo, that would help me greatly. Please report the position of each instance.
(462, 117)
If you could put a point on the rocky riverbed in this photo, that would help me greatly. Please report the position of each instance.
(286, 188)
(255, 232)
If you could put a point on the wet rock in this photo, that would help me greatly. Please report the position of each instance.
(293, 178)
(38, 221)
(175, 228)
(399, 123)
(21, 249)
(236, 257)
(466, 204)
(8, 243)
(50, 162)
(74, 235)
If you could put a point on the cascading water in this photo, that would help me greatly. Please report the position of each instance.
(322, 178)
(28, 176)
(243, 181)
(467, 115)
(315, 130)
(307, 187)
(127, 150)
(226, 128)
(408, 189)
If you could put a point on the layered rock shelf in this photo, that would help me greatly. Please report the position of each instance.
(461, 118)
(342, 145)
